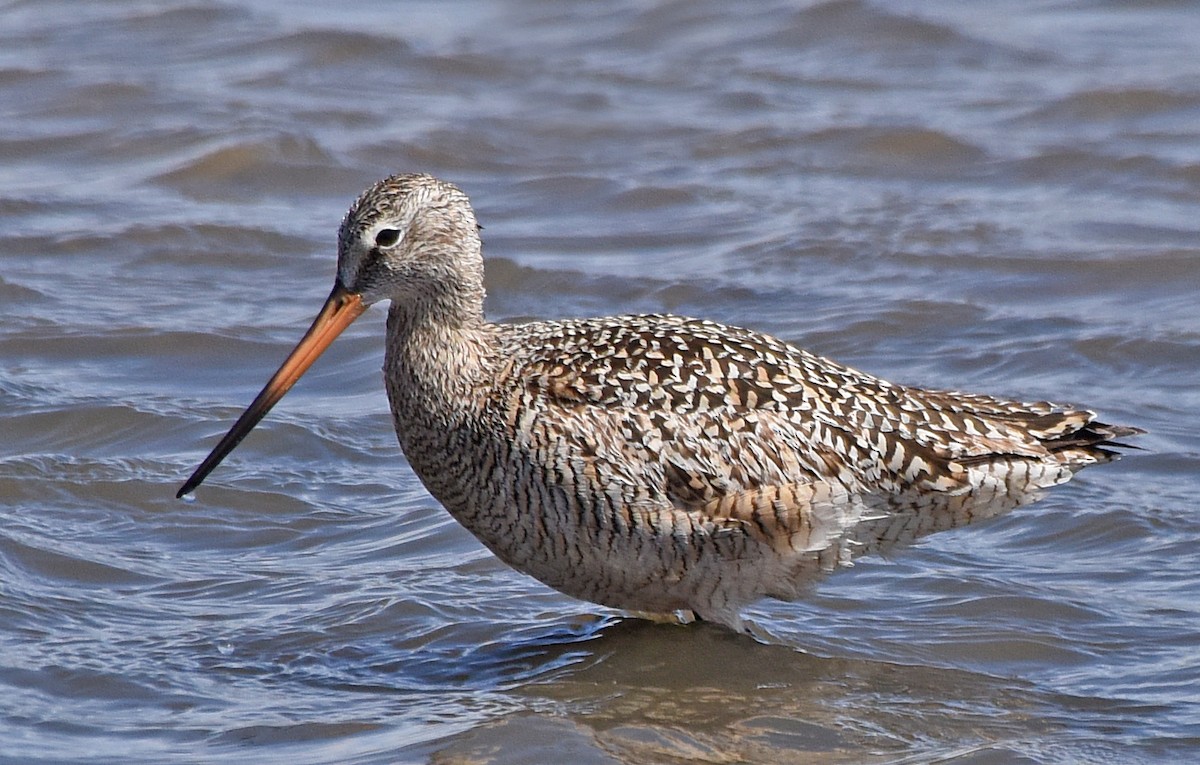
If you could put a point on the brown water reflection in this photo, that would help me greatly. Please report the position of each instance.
(663, 693)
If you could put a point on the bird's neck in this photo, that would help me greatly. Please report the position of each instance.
(437, 362)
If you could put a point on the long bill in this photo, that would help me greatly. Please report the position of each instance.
(340, 310)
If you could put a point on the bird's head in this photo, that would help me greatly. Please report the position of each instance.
(411, 239)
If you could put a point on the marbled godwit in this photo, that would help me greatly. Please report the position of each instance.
(657, 463)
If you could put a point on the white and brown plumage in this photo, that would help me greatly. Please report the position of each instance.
(658, 463)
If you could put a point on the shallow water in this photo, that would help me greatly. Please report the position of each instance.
(1000, 198)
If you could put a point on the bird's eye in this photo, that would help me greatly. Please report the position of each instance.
(387, 237)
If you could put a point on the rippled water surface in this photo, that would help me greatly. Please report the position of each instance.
(1002, 197)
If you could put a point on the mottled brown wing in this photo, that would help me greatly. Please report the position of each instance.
(718, 420)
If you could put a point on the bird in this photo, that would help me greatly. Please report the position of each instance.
(658, 464)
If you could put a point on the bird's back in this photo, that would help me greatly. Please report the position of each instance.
(705, 383)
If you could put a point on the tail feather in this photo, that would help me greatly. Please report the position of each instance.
(1094, 443)
(1071, 437)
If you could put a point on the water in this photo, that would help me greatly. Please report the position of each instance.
(999, 197)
